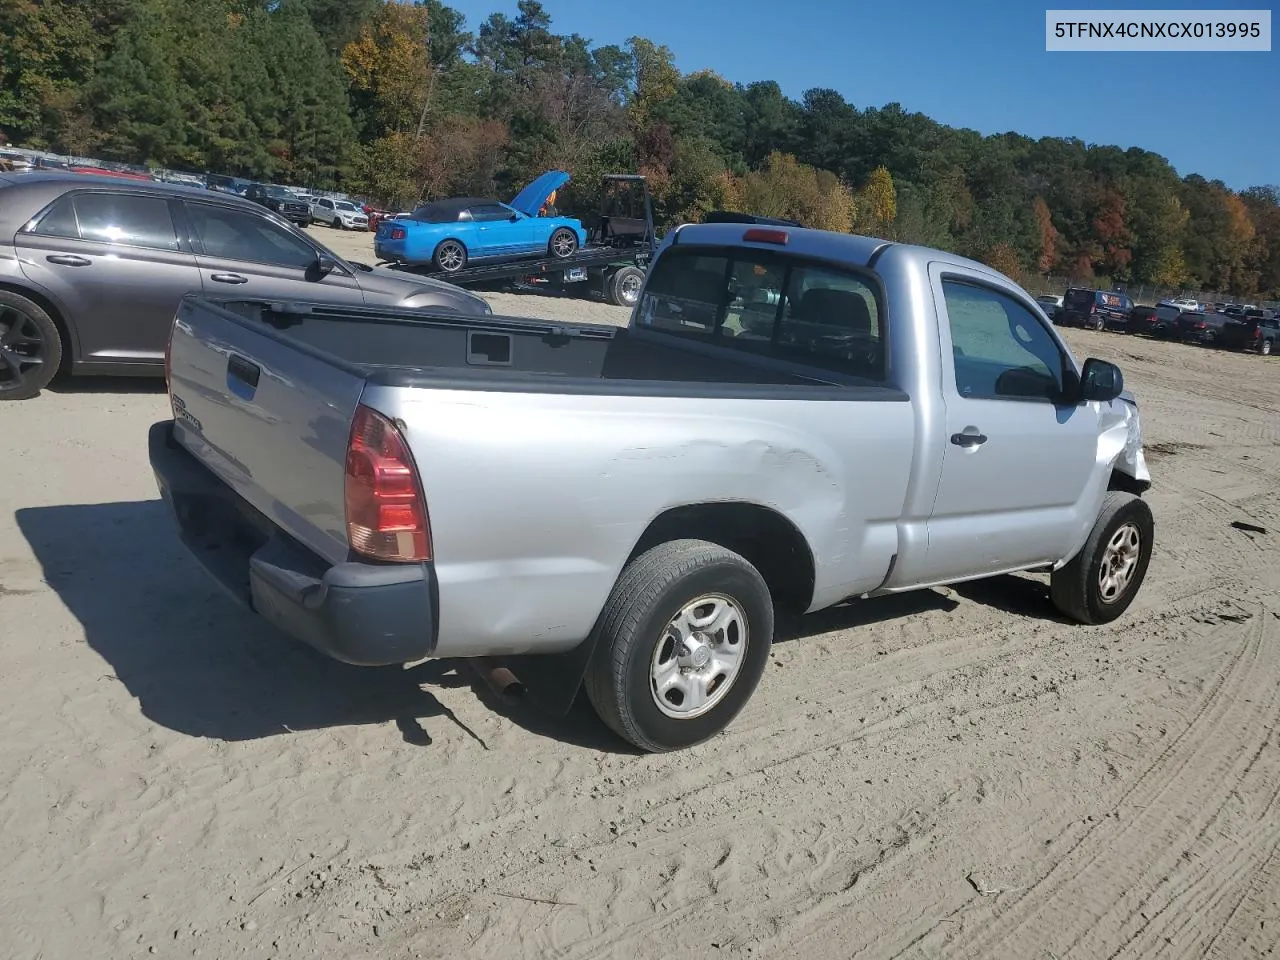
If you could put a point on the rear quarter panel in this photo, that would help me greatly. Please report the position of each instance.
(537, 500)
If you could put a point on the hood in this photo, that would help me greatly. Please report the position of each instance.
(396, 287)
(530, 200)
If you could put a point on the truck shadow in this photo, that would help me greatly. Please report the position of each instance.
(202, 666)
(197, 663)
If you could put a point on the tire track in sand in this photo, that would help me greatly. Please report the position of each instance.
(1180, 851)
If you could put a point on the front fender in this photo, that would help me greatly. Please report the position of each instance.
(1120, 438)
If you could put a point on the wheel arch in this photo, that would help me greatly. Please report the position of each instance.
(71, 347)
(767, 539)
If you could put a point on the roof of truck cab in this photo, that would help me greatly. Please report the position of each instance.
(850, 248)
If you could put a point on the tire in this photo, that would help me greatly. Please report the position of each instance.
(1099, 324)
(337, 224)
(30, 347)
(636, 637)
(624, 286)
(450, 256)
(563, 243)
(1264, 348)
(1077, 587)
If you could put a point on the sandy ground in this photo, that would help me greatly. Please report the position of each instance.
(953, 774)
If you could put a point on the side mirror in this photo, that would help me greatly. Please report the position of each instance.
(515, 217)
(1100, 381)
(323, 266)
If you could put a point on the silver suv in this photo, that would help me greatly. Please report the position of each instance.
(92, 269)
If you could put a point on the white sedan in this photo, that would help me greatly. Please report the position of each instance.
(342, 214)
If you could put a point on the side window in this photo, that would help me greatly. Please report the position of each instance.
(239, 235)
(1000, 350)
(115, 218)
(59, 221)
(489, 213)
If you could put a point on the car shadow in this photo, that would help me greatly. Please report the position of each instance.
(100, 384)
(1018, 594)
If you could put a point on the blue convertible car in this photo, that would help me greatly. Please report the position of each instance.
(450, 233)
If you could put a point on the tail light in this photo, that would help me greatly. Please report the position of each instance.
(758, 235)
(1257, 334)
(397, 233)
(386, 509)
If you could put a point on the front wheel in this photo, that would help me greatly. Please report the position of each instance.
(1100, 582)
(563, 243)
(681, 645)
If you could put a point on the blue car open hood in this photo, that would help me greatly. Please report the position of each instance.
(530, 200)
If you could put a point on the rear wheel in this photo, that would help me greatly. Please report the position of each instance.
(1100, 582)
(1099, 323)
(682, 644)
(450, 256)
(563, 243)
(1264, 348)
(30, 347)
(624, 286)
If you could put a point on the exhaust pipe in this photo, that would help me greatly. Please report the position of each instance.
(497, 678)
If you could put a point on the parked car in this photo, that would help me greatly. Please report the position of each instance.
(339, 214)
(282, 201)
(1186, 304)
(1201, 328)
(92, 269)
(1050, 304)
(636, 502)
(1254, 331)
(1141, 320)
(449, 234)
(1083, 307)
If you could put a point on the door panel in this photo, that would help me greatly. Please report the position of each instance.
(243, 253)
(1019, 472)
(116, 266)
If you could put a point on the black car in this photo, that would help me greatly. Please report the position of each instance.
(92, 270)
(1141, 320)
(1253, 331)
(280, 200)
(1094, 309)
(1203, 328)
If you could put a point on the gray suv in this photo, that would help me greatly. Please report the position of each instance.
(92, 269)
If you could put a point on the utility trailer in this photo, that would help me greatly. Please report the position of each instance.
(612, 263)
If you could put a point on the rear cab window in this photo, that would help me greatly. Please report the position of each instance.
(765, 303)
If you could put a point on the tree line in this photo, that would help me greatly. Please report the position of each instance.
(400, 102)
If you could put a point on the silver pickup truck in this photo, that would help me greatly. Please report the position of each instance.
(792, 419)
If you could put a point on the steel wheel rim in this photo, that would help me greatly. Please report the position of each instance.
(562, 243)
(1119, 563)
(451, 256)
(22, 347)
(630, 289)
(698, 656)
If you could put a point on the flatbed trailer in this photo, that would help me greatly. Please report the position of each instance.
(613, 263)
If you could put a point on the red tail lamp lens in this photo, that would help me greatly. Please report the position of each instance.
(386, 509)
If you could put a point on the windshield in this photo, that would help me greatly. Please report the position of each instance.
(344, 205)
(274, 191)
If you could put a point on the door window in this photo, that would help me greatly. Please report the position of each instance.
(489, 213)
(1001, 350)
(241, 235)
(115, 218)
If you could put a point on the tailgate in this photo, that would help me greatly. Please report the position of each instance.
(268, 417)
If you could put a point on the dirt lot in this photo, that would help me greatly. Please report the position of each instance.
(954, 774)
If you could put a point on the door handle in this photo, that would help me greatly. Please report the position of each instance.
(69, 260)
(228, 278)
(969, 437)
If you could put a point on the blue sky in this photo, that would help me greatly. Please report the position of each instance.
(972, 63)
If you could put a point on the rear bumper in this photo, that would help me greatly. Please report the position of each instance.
(361, 613)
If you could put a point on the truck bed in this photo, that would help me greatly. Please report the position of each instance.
(414, 348)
